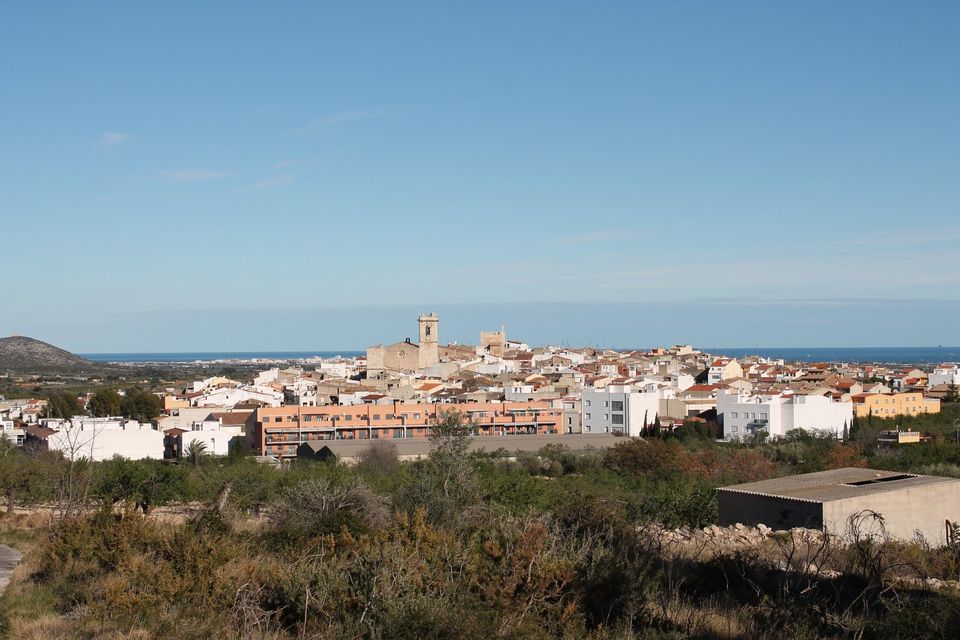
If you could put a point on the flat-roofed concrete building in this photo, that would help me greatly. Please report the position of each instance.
(349, 451)
(826, 500)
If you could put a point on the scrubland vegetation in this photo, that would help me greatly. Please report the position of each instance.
(555, 545)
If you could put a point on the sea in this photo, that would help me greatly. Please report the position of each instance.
(215, 356)
(883, 355)
(888, 355)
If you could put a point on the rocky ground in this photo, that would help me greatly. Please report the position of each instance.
(9, 559)
(803, 550)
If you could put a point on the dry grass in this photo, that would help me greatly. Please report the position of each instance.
(698, 619)
(48, 627)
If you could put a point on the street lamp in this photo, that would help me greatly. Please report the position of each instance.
(956, 427)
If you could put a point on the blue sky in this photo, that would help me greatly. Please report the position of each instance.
(172, 174)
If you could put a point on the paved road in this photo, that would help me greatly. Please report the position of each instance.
(9, 559)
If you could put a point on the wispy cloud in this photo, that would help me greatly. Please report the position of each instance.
(340, 117)
(285, 164)
(113, 138)
(141, 196)
(273, 182)
(589, 238)
(196, 175)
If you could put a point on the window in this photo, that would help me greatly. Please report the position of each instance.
(588, 416)
(617, 405)
(606, 404)
(763, 416)
(734, 429)
(587, 402)
(376, 416)
(733, 414)
(618, 418)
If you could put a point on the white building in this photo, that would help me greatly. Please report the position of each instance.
(9, 430)
(519, 392)
(230, 396)
(266, 377)
(104, 438)
(946, 373)
(619, 409)
(742, 414)
(301, 393)
(337, 368)
(216, 441)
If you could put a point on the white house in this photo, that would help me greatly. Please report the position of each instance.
(104, 438)
(619, 409)
(215, 441)
(230, 396)
(518, 392)
(946, 373)
(9, 430)
(743, 414)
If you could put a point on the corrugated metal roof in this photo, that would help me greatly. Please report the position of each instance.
(836, 484)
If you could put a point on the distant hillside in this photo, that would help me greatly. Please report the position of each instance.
(19, 353)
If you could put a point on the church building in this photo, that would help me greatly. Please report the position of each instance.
(407, 356)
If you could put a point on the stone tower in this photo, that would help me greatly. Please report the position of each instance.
(429, 354)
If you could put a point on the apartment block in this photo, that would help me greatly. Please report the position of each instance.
(280, 430)
(619, 409)
(742, 414)
(888, 405)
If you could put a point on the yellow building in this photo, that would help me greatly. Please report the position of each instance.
(888, 405)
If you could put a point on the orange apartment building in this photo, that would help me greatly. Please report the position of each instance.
(280, 430)
(888, 405)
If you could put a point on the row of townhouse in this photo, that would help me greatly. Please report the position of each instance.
(280, 431)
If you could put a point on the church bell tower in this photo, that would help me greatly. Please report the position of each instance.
(429, 326)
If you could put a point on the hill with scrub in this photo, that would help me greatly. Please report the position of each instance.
(28, 355)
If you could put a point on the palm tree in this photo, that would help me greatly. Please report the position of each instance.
(196, 452)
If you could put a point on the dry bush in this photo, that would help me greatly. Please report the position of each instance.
(380, 457)
(319, 506)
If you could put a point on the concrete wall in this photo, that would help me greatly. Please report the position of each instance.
(921, 508)
(217, 442)
(776, 513)
(103, 444)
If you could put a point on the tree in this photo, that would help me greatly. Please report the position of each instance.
(380, 458)
(61, 404)
(447, 481)
(196, 452)
(105, 402)
(140, 405)
(14, 472)
(952, 394)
